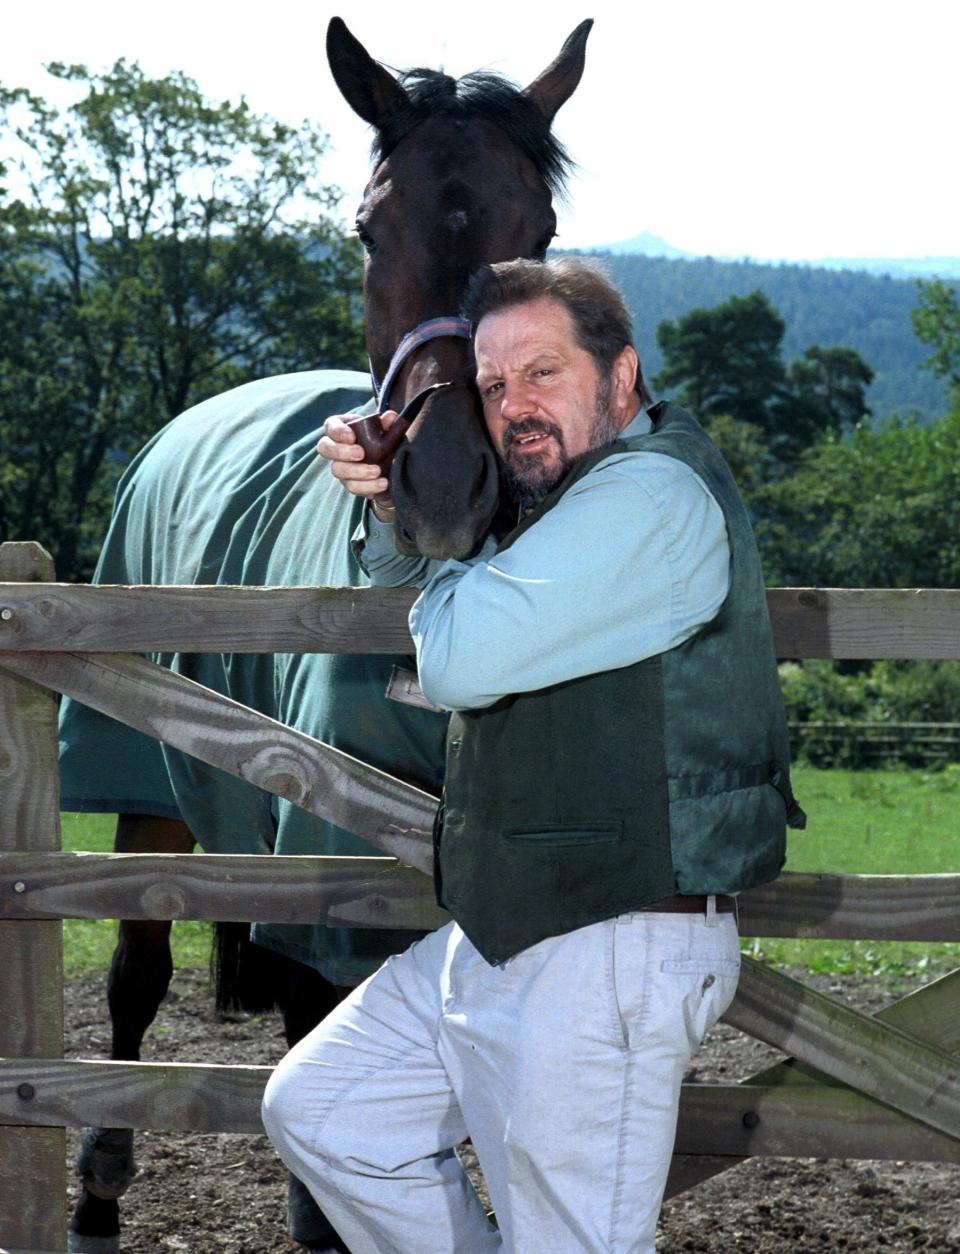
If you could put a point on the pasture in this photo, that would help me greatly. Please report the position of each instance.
(870, 822)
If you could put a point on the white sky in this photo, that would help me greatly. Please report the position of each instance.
(774, 128)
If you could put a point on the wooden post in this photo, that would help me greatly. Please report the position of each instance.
(33, 1184)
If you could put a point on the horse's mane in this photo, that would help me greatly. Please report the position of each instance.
(484, 95)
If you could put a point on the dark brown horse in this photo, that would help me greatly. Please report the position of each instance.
(230, 492)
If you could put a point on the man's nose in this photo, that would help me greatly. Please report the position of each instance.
(517, 401)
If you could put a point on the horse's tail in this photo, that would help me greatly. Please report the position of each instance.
(244, 974)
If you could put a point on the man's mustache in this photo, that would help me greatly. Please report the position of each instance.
(528, 426)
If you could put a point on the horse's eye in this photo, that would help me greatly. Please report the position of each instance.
(366, 239)
(542, 244)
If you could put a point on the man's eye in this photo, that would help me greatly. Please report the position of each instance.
(491, 390)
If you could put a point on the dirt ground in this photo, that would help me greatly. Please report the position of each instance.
(226, 1194)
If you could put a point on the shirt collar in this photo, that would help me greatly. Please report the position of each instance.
(641, 424)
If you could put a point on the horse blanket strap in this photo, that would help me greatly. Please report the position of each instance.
(404, 686)
(432, 329)
(692, 903)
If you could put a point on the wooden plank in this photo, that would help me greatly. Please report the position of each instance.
(807, 622)
(8, 1249)
(724, 1120)
(337, 892)
(931, 1013)
(393, 816)
(877, 1059)
(82, 618)
(854, 907)
(169, 1096)
(376, 892)
(800, 1121)
(33, 1183)
(866, 622)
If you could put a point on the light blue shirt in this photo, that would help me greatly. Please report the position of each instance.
(632, 560)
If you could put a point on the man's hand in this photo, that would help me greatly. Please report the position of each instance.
(339, 446)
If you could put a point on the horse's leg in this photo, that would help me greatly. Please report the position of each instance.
(304, 998)
(139, 976)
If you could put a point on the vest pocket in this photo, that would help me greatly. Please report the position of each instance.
(567, 834)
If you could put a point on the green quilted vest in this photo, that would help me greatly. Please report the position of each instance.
(603, 794)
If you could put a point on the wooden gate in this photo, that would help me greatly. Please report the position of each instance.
(857, 1086)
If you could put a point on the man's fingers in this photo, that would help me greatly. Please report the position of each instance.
(338, 445)
(335, 449)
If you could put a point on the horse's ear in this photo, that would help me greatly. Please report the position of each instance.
(559, 80)
(367, 87)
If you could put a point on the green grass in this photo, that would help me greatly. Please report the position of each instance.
(88, 943)
(882, 822)
(866, 822)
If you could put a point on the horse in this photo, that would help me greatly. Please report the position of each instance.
(230, 492)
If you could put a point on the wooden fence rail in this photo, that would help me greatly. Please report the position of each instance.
(382, 892)
(807, 622)
(859, 1086)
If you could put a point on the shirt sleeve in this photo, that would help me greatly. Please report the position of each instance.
(376, 551)
(632, 560)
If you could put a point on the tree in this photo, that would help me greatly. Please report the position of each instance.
(876, 509)
(936, 321)
(725, 360)
(825, 390)
(163, 248)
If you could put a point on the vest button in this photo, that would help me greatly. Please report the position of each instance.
(455, 746)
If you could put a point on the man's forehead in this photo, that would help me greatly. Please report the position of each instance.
(539, 326)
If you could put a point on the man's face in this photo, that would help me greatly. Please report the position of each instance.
(544, 401)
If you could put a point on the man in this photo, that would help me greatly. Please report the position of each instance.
(616, 768)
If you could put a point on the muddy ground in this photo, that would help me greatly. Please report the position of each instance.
(212, 1194)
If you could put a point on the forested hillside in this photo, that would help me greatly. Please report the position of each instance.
(866, 312)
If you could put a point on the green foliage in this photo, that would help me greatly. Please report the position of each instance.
(746, 452)
(885, 691)
(866, 312)
(877, 510)
(936, 321)
(825, 390)
(725, 360)
(880, 693)
(166, 248)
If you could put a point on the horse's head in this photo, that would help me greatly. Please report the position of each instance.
(464, 175)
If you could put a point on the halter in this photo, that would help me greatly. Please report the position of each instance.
(432, 329)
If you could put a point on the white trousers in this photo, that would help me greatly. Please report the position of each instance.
(563, 1065)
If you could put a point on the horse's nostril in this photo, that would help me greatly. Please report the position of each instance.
(402, 468)
(482, 481)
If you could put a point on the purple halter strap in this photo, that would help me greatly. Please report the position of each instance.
(432, 329)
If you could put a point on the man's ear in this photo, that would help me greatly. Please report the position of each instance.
(623, 398)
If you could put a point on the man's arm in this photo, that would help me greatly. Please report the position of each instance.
(373, 541)
(375, 549)
(631, 562)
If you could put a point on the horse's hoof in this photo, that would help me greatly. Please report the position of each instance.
(77, 1243)
(306, 1222)
(105, 1162)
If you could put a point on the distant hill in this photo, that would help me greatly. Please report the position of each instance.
(867, 312)
(897, 267)
(648, 245)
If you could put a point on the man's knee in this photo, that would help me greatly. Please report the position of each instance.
(306, 1120)
(279, 1109)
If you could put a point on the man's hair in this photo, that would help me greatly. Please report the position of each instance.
(602, 325)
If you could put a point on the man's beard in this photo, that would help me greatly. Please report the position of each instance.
(539, 474)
